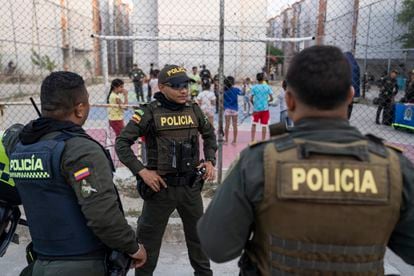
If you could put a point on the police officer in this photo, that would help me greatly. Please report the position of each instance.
(171, 127)
(137, 76)
(388, 90)
(64, 179)
(9, 197)
(321, 199)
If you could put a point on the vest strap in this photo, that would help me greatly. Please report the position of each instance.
(358, 151)
(302, 264)
(291, 245)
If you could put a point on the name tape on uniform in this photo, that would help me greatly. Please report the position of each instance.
(332, 180)
(34, 166)
(175, 121)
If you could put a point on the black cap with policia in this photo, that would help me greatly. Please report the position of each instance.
(174, 76)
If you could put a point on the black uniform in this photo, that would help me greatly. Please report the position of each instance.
(229, 220)
(171, 136)
(388, 90)
(137, 76)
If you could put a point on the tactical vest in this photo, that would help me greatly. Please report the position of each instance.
(175, 148)
(56, 223)
(328, 208)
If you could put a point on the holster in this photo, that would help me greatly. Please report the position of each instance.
(117, 263)
(247, 267)
(144, 191)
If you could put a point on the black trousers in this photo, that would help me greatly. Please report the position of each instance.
(153, 221)
(139, 91)
(385, 106)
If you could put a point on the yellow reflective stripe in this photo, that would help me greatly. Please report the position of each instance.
(5, 166)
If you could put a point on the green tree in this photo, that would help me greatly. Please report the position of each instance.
(43, 62)
(406, 17)
(274, 52)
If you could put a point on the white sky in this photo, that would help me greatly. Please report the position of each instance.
(274, 7)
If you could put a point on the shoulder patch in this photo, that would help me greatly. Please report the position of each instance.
(136, 118)
(394, 147)
(139, 111)
(82, 174)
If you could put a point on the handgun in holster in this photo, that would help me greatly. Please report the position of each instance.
(247, 267)
(118, 263)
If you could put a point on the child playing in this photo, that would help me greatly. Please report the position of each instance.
(117, 96)
(231, 108)
(207, 100)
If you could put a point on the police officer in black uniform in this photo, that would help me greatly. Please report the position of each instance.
(388, 90)
(137, 76)
(320, 198)
(171, 126)
(64, 179)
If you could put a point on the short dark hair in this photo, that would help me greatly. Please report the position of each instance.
(229, 82)
(61, 91)
(259, 76)
(320, 76)
(194, 67)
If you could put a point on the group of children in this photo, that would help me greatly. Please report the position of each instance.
(256, 99)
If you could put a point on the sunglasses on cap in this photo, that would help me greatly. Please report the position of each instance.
(177, 86)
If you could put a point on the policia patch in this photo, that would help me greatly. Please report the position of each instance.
(334, 181)
(179, 120)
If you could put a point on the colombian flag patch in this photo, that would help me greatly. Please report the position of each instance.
(82, 173)
(136, 118)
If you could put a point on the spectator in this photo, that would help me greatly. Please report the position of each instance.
(195, 86)
(231, 108)
(205, 73)
(247, 90)
(409, 91)
(153, 83)
(206, 99)
(281, 102)
(118, 97)
(261, 95)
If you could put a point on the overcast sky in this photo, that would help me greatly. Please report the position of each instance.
(274, 7)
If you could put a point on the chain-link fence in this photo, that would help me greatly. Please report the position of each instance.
(40, 36)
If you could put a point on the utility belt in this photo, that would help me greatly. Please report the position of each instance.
(94, 255)
(179, 180)
(116, 263)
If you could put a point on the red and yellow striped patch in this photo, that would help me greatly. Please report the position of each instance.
(82, 173)
(136, 118)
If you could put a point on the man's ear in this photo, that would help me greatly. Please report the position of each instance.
(80, 110)
(350, 96)
(290, 100)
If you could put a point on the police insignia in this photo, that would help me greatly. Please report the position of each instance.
(136, 118)
(139, 112)
(82, 174)
(86, 189)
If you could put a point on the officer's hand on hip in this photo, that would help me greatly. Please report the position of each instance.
(210, 171)
(139, 258)
(152, 179)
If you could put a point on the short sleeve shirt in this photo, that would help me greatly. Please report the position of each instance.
(115, 113)
(206, 98)
(230, 98)
(261, 93)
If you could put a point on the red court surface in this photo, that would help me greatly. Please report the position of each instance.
(230, 151)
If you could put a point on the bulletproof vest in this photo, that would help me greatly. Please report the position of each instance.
(56, 223)
(328, 208)
(176, 146)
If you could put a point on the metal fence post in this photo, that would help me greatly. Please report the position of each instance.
(220, 95)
